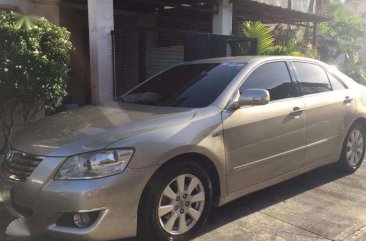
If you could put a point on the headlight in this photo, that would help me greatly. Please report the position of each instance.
(95, 164)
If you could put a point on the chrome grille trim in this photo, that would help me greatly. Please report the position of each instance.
(18, 166)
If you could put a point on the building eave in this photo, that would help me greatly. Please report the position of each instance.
(248, 10)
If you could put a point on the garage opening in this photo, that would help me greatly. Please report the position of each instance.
(141, 52)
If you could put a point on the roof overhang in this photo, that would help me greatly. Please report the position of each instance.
(248, 10)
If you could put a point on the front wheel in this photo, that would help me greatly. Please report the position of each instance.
(177, 203)
(353, 151)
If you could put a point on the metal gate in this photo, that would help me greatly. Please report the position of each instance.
(139, 53)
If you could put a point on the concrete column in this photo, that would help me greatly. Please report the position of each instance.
(223, 19)
(101, 23)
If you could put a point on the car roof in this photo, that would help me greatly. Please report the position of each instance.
(247, 59)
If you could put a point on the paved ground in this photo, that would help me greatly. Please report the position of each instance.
(321, 205)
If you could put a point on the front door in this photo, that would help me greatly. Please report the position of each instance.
(263, 142)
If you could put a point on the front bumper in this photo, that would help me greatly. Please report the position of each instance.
(43, 200)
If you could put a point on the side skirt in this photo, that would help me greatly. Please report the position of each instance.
(271, 182)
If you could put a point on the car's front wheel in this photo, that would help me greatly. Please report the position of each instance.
(177, 203)
(353, 151)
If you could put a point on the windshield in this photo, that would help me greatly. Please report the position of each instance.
(189, 85)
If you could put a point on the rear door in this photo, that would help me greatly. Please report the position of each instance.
(329, 111)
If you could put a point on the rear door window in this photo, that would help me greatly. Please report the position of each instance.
(313, 78)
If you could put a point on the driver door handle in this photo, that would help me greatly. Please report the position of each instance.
(348, 100)
(297, 111)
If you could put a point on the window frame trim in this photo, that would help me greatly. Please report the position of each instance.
(296, 75)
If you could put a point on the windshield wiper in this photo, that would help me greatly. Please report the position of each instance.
(144, 102)
(120, 99)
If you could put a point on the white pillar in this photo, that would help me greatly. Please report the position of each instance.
(101, 23)
(223, 19)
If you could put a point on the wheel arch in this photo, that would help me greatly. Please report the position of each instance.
(361, 121)
(203, 161)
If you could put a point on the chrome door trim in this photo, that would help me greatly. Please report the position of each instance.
(264, 160)
(261, 161)
(308, 146)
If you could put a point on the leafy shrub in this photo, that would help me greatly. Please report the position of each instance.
(266, 42)
(34, 68)
(344, 34)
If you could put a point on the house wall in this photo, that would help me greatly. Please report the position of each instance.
(75, 19)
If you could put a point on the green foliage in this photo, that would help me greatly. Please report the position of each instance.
(353, 68)
(26, 22)
(34, 67)
(343, 35)
(265, 39)
(266, 42)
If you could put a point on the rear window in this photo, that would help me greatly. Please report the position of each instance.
(336, 83)
(190, 85)
(348, 81)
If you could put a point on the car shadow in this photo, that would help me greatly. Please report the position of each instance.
(268, 197)
(272, 195)
(264, 198)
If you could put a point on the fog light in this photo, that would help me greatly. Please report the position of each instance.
(82, 220)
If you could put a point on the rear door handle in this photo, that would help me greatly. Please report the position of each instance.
(348, 100)
(297, 111)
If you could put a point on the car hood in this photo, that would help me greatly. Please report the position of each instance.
(91, 128)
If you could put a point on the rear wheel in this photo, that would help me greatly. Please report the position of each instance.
(353, 151)
(176, 204)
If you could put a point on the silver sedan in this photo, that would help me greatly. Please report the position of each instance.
(157, 160)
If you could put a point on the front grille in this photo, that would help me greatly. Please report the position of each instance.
(18, 166)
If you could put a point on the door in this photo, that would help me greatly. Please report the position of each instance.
(263, 142)
(329, 111)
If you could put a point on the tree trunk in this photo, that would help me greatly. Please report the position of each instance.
(307, 29)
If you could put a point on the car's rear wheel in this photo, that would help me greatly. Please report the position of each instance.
(176, 204)
(353, 151)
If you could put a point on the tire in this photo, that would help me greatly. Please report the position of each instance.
(157, 223)
(353, 151)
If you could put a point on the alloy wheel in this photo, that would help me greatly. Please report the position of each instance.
(181, 204)
(355, 147)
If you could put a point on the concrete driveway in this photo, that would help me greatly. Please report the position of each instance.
(321, 205)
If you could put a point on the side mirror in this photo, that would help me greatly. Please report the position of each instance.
(254, 97)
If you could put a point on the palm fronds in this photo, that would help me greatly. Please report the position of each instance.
(22, 21)
(257, 30)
